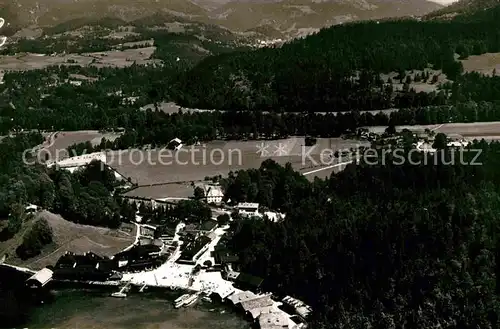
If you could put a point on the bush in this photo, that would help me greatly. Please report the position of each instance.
(223, 219)
(35, 239)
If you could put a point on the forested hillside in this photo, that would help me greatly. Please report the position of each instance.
(316, 73)
(380, 246)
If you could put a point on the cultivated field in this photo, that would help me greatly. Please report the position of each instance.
(477, 130)
(484, 64)
(194, 163)
(72, 237)
(115, 58)
(162, 191)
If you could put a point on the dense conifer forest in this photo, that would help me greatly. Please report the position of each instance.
(392, 246)
(316, 73)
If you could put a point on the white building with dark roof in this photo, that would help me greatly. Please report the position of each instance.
(248, 209)
(213, 193)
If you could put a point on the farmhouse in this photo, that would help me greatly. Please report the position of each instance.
(248, 209)
(213, 193)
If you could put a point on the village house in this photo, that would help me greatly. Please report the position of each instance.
(213, 193)
(248, 209)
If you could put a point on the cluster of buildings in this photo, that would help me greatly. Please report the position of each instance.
(248, 209)
(263, 309)
(197, 239)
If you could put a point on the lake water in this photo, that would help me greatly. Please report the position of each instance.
(92, 309)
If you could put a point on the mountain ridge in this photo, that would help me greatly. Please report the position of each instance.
(289, 17)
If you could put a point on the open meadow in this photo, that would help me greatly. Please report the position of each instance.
(470, 131)
(57, 142)
(113, 58)
(68, 236)
(173, 191)
(194, 163)
(484, 64)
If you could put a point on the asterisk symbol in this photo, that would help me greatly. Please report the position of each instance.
(281, 149)
(262, 149)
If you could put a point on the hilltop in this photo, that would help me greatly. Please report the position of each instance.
(462, 7)
(319, 70)
(288, 17)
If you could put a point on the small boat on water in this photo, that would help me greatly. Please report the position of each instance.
(191, 300)
(119, 294)
(181, 300)
(206, 299)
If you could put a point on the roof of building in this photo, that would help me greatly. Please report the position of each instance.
(224, 292)
(261, 301)
(300, 307)
(303, 311)
(226, 257)
(106, 265)
(138, 251)
(213, 191)
(31, 207)
(248, 205)
(249, 280)
(241, 297)
(232, 275)
(43, 276)
(272, 320)
(256, 312)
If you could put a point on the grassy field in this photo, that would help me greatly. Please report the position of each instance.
(72, 237)
(484, 64)
(147, 167)
(162, 191)
(58, 141)
(477, 130)
(122, 58)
